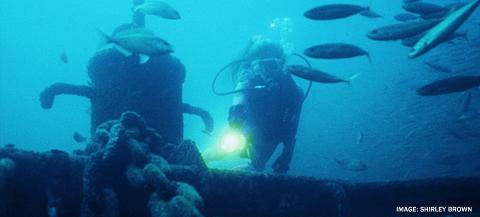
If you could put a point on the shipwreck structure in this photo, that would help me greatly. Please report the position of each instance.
(129, 170)
(137, 163)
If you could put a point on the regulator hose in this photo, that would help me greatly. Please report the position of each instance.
(307, 92)
(216, 77)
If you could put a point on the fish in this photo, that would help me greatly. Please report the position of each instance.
(58, 152)
(316, 75)
(137, 41)
(410, 133)
(423, 8)
(79, 137)
(438, 15)
(467, 101)
(466, 106)
(449, 160)
(442, 30)
(158, 8)
(401, 30)
(410, 42)
(466, 117)
(9, 145)
(63, 57)
(450, 85)
(134, 31)
(352, 165)
(455, 5)
(360, 137)
(52, 204)
(337, 11)
(457, 134)
(78, 152)
(438, 67)
(410, 1)
(335, 51)
(370, 14)
(406, 17)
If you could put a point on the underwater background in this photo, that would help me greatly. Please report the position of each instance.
(378, 121)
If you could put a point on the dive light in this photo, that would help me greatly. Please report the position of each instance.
(232, 141)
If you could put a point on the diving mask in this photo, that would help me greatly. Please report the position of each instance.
(267, 68)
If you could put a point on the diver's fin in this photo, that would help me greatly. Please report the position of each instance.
(123, 51)
(142, 58)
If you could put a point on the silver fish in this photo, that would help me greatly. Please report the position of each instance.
(352, 165)
(335, 51)
(449, 85)
(406, 17)
(316, 75)
(140, 42)
(438, 15)
(467, 101)
(442, 30)
(423, 8)
(401, 30)
(77, 137)
(337, 11)
(360, 137)
(455, 5)
(438, 67)
(158, 8)
(410, 42)
(63, 57)
(449, 160)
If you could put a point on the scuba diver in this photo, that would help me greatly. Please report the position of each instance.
(267, 105)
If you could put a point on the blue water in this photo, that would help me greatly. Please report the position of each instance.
(405, 136)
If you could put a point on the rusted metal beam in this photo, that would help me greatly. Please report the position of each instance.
(229, 193)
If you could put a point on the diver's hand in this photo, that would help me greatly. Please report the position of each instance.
(280, 165)
(236, 116)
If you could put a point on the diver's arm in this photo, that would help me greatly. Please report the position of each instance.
(47, 97)
(205, 115)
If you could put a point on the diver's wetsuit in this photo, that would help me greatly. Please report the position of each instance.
(152, 89)
(268, 116)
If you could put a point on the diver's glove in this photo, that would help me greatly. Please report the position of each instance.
(280, 165)
(236, 116)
